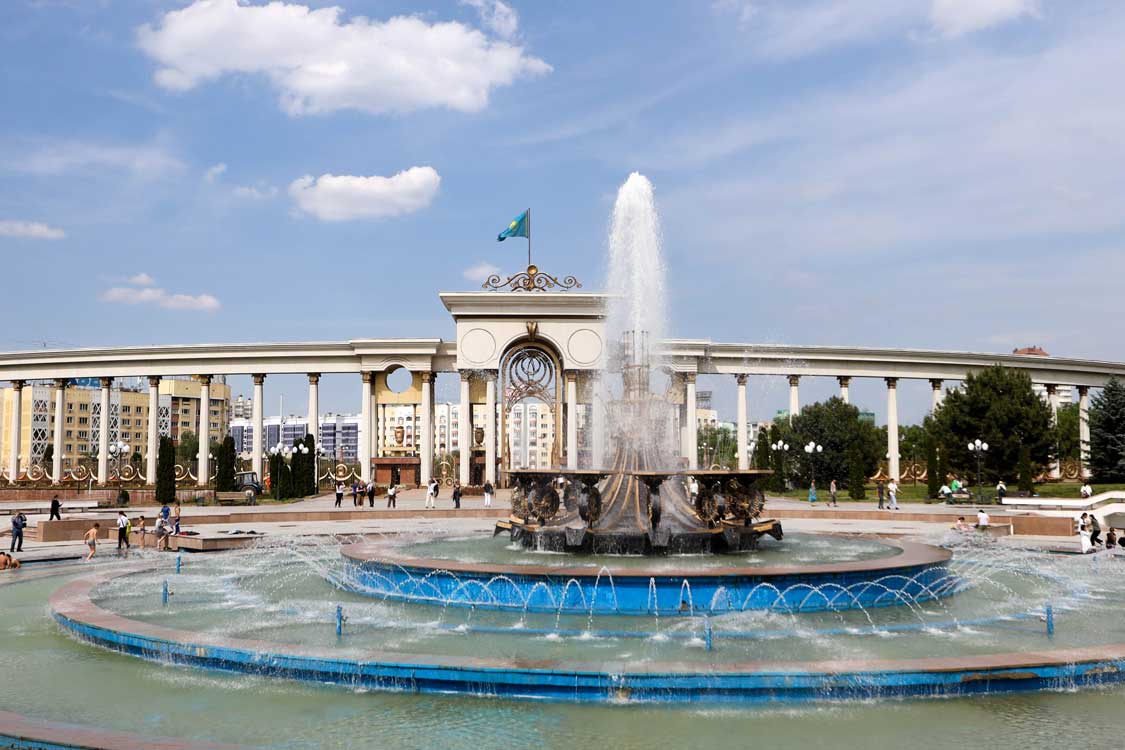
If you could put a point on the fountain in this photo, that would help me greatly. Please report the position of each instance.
(645, 501)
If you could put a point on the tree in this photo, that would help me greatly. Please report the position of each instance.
(1025, 472)
(762, 449)
(717, 445)
(778, 461)
(851, 445)
(1066, 432)
(857, 479)
(999, 407)
(934, 480)
(48, 457)
(1107, 433)
(224, 466)
(166, 471)
(188, 448)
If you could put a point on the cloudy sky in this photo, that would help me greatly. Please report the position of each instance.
(916, 173)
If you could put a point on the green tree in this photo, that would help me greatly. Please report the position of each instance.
(224, 466)
(188, 447)
(717, 445)
(779, 460)
(1107, 433)
(48, 456)
(166, 471)
(999, 407)
(1025, 472)
(857, 479)
(934, 480)
(762, 449)
(1066, 432)
(851, 445)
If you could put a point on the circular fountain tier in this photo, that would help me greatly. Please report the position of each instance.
(878, 574)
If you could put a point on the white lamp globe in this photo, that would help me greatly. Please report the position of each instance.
(984, 446)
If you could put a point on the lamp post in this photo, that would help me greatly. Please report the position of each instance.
(281, 451)
(813, 449)
(979, 448)
(781, 450)
(117, 451)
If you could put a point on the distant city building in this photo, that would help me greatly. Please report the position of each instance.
(178, 412)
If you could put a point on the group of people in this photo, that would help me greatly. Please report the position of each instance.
(831, 494)
(1090, 534)
(167, 525)
(433, 489)
(982, 522)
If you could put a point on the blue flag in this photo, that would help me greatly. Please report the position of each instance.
(518, 228)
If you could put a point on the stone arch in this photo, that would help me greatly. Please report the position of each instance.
(530, 372)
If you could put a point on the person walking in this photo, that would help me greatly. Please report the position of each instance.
(812, 492)
(456, 495)
(1095, 531)
(19, 523)
(122, 532)
(371, 494)
(892, 492)
(339, 493)
(56, 508)
(487, 493)
(431, 494)
(355, 493)
(832, 493)
(91, 539)
(879, 490)
(693, 489)
(176, 519)
(392, 496)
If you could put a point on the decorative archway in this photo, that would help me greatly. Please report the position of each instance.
(530, 372)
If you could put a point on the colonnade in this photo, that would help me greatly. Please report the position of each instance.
(372, 427)
(687, 381)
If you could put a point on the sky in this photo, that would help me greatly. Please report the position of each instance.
(941, 174)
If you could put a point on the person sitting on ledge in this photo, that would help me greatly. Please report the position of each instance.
(944, 493)
(982, 519)
(960, 525)
(7, 562)
(1086, 492)
(1110, 539)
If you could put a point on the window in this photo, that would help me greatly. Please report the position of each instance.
(69, 434)
(70, 420)
(126, 409)
(83, 407)
(83, 420)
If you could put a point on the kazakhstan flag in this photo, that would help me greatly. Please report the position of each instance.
(518, 228)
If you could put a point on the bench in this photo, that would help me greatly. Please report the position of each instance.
(232, 498)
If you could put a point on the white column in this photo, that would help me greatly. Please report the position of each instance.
(153, 447)
(845, 382)
(939, 394)
(380, 427)
(892, 427)
(464, 432)
(571, 420)
(204, 433)
(258, 437)
(597, 442)
(314, 406)
(490, 428)
(60, 430)
(692, 425)
(103, 433)
(794, 396)
(365, 435)
(426, 415)
(741, 426)
(1053, 399)
(1083, 430)
(16, 434)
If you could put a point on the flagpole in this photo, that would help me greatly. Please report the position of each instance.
(529, 238)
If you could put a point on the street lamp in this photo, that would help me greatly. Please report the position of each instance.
(812, 449)
(117, 451)
(979, 448)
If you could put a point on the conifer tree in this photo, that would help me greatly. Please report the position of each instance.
(1107, 433)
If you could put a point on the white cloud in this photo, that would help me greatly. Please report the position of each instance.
(256, 193)
(480, 271)
(343, 197)
(32, 230)
(499, 17)
(321, 63)
(145, 294)
(957, 17)
(145, 160)
(215, 172)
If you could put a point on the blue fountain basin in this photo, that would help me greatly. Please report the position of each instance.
(917, 573)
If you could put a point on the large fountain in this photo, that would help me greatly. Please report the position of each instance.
(643, 501)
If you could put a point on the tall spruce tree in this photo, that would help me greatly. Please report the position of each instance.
(762, 449)
(1107, 433)
(166, 471)
(224, 466)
